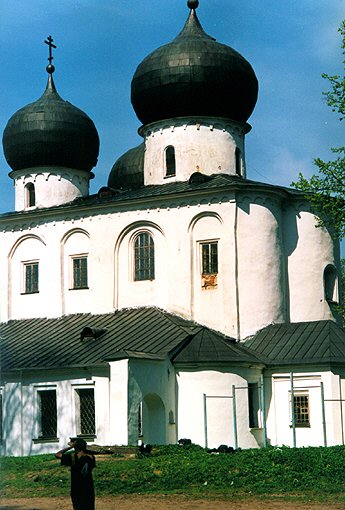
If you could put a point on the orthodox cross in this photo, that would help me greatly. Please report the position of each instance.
(49, 41)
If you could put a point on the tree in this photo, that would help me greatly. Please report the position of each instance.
(325, 190)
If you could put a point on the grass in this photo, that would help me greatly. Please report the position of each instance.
(303, 473)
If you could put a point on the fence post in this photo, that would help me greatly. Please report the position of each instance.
(263, 410)
(234, 415)
(205, 421)
(293, 411)
(323, 414)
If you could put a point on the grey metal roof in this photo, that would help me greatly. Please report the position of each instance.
(139, 332)
(300, 343)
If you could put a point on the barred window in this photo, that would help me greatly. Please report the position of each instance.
(86, 411)
(301, 410)
(47, 414)
(209, 257)
(170, 163)
(30, 277)
(144, 257)
(80, 280)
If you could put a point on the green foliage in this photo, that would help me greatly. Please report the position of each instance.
(318, 472)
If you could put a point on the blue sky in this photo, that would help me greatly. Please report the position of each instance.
(101, 42)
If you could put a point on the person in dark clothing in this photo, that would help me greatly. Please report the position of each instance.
(81, 462)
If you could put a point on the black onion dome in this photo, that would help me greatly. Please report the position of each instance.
(51, 132)
(128, 170)
(194, 76)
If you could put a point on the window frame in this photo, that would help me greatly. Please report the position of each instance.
(143, 271)
(211, 269)
(169, 161)
(80, 431)
(300, 423)
(41, 437)
(30, 195)
(30, 283)
(84, 277)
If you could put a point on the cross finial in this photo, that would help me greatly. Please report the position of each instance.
(50, 67)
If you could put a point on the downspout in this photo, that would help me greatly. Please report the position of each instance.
(21, 416)
(237, 298)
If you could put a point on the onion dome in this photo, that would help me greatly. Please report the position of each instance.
(128, 170)
(194, 76)
(51, 132)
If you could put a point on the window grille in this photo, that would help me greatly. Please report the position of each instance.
(301, 410)
(48, 414)
(144, 260)
(87, 411)
(31, 277)
(170, 162)
(80, 273)
(209, 258)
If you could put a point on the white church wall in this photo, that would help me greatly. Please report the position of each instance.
(21, 412)
(279, 414)
(309, 250)
(260, 280)
(206, 145)
(152, 387)
(52, 186)
(119, 401)
(217, 387)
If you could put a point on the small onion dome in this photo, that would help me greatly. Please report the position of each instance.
(128, 170)
(194, 76)
(51, 132)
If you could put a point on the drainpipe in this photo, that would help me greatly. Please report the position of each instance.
(237, 298)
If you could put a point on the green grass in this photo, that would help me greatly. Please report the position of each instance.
(312, 473)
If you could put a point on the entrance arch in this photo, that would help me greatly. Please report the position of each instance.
(154, 421)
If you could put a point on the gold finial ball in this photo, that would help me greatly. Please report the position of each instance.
(193, 4)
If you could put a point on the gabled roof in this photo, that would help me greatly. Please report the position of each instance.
(299, 343)
(130, 333)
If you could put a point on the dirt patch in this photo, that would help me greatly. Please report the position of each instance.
(162, 502)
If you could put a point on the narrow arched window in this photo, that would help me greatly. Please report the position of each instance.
(330, 281)
(170, 163)
(238, 163)
(144, 257)
(30, 197)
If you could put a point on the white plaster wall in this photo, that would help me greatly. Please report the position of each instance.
(279, 429)
(52, 186)
(21, 413)
(309, 250)
(191, 389)
(260, 281)
(153, 384)
(118, 423)
(203, 145)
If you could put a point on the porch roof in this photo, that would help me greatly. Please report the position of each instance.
(299, 343)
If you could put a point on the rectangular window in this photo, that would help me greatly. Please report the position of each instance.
(86, 411)
(30, 277)
(79, 279)
(47, 414)
(209, 257)
(301, 410)
(254, 404)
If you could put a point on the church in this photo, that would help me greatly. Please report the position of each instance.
(181, 301)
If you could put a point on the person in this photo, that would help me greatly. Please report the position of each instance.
(81, 462)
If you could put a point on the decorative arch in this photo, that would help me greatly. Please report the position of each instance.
(21, 240)
(208, 214)
(72, 231)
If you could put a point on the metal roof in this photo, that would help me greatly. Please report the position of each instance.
(138, 332)
(299, 343)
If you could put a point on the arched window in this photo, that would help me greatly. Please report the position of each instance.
(238, 163)
(330, 281)
(170, 163)
(144, 257)
(30, 198)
